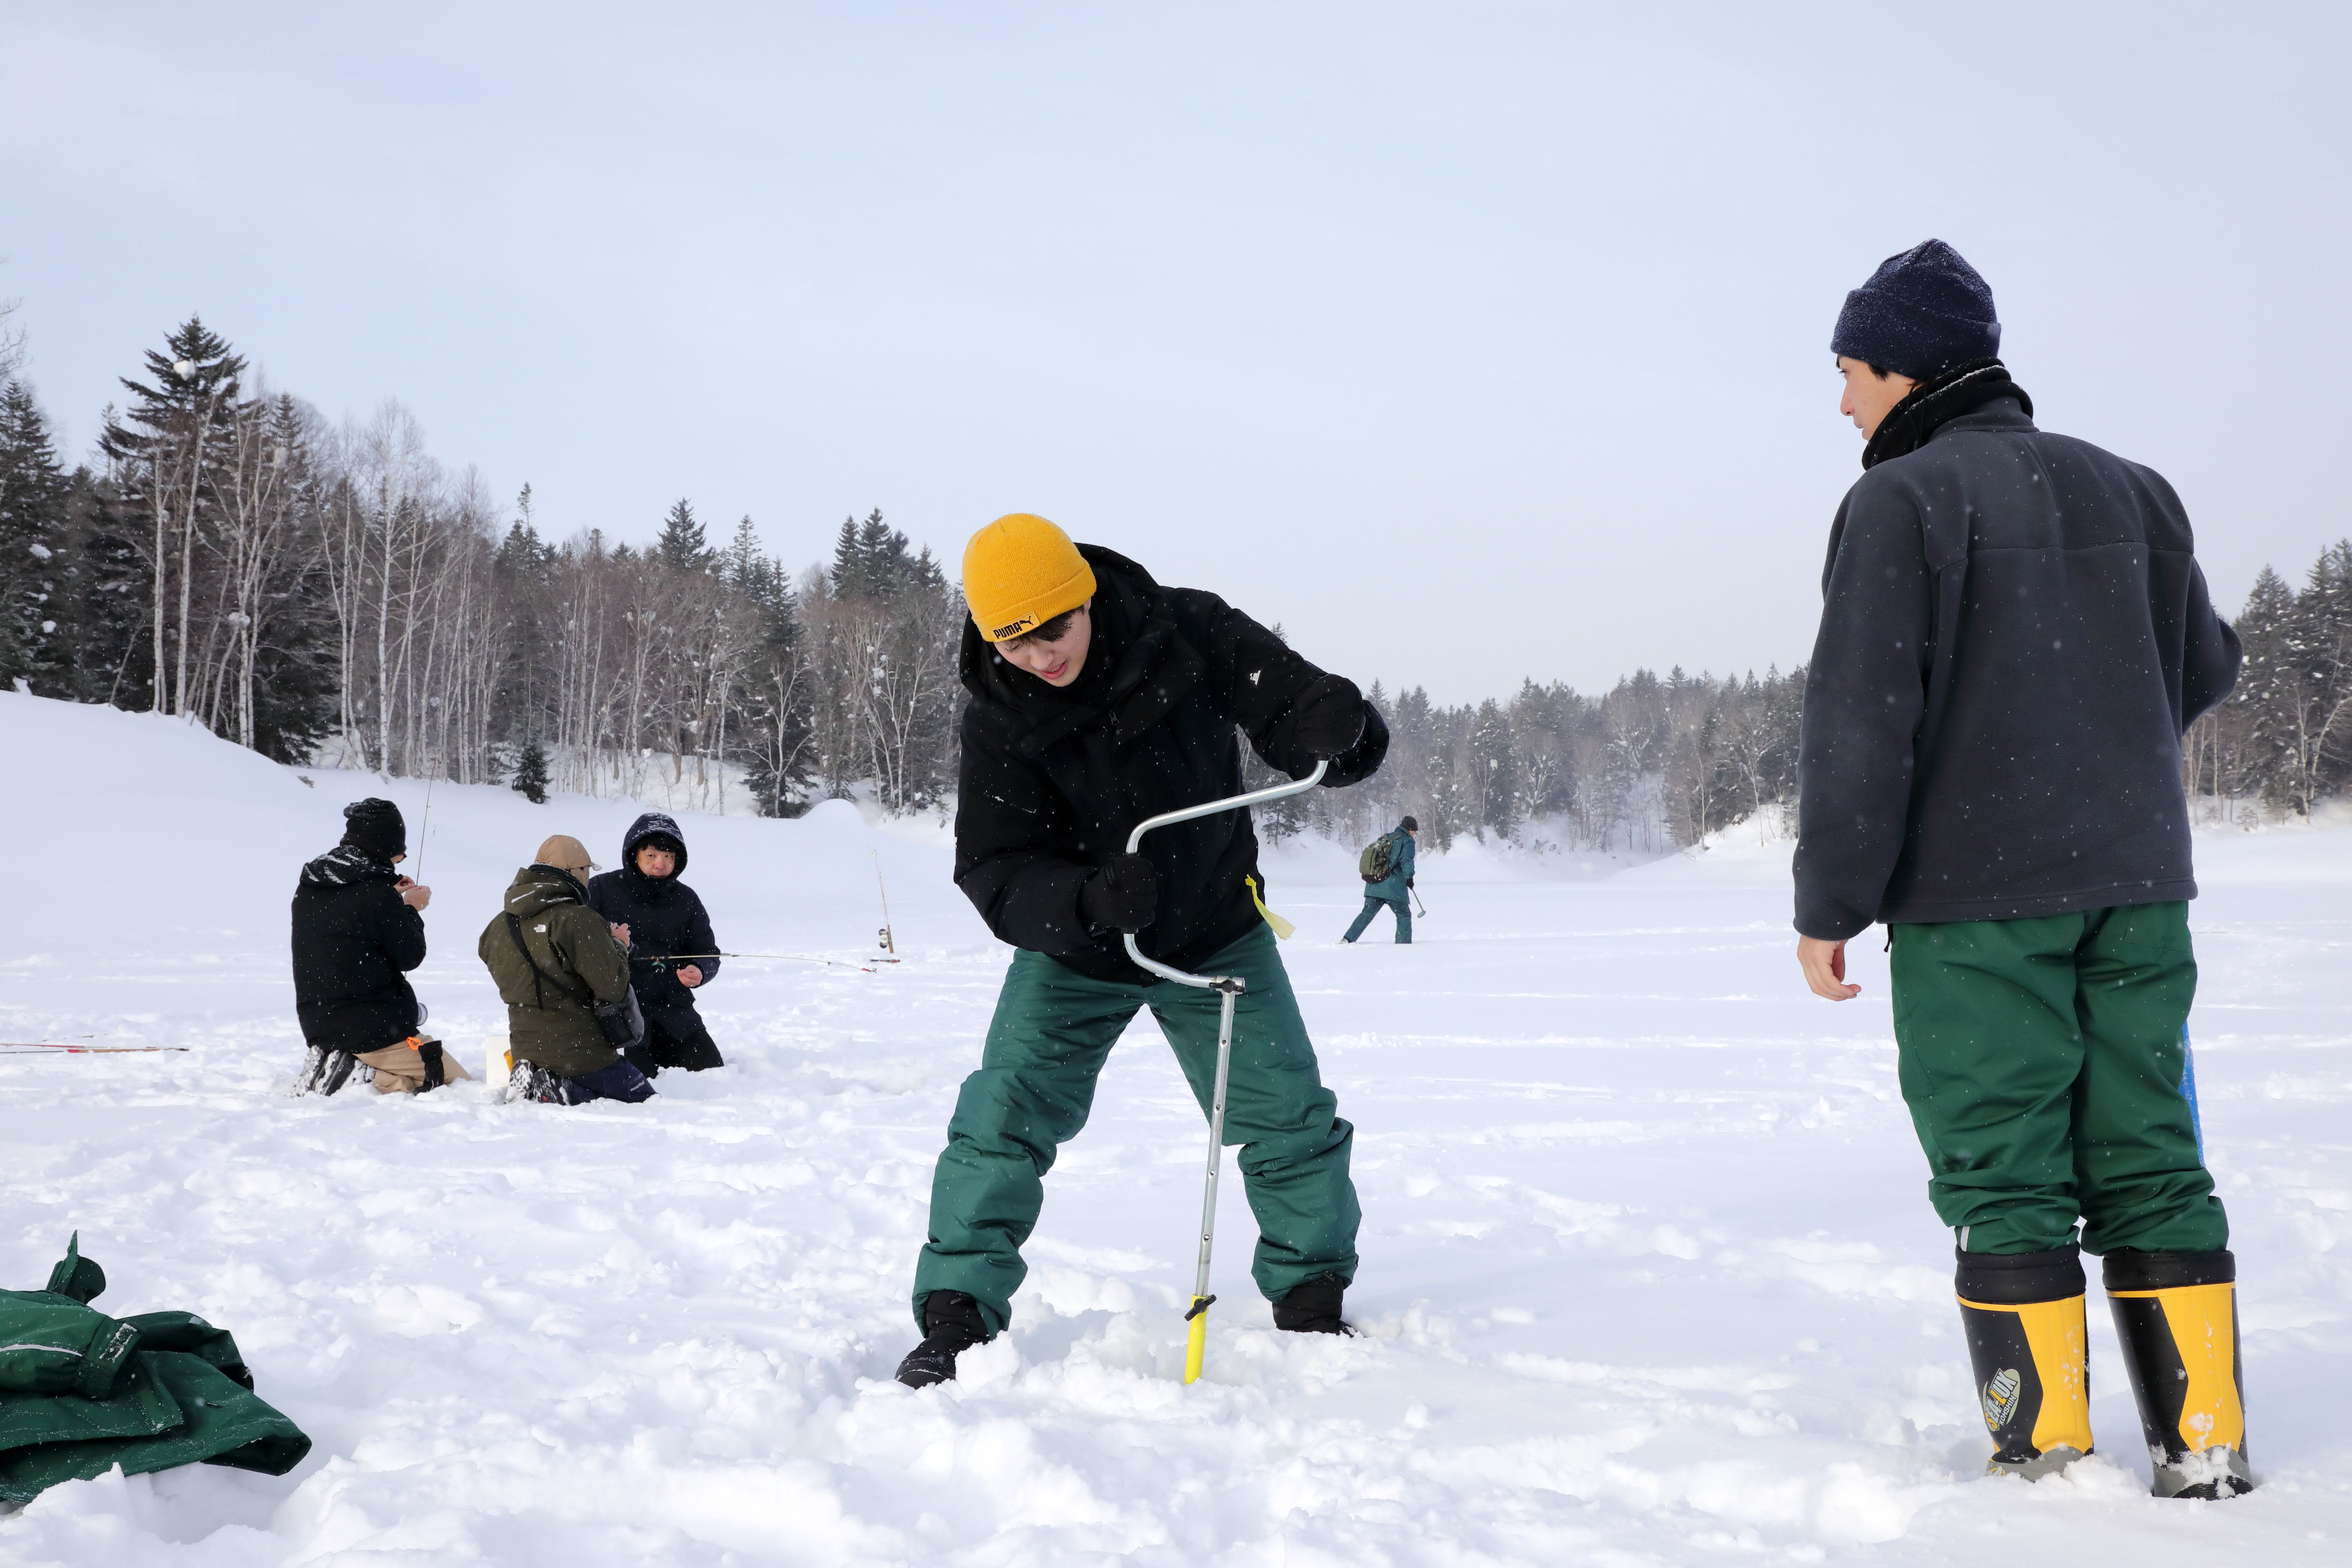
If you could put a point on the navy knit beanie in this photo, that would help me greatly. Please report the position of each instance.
(376, 826)
(1921, 314)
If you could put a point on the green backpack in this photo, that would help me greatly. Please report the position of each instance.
(1378, 859)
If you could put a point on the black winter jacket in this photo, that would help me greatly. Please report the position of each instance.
(2014, 636)
(1053, 780)
(354, 942)
(663, 916)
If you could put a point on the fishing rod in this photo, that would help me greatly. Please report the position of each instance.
(789, 957)
(38, 1047)
(425, 823)
(888, 940)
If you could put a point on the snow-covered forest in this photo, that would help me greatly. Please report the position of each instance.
(333, 593)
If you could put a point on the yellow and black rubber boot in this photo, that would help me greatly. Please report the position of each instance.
(2176, 1315)
(2023, 1316)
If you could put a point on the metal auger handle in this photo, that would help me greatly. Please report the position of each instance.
(1169, 818)
(1228, 988)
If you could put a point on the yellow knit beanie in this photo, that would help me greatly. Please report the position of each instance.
(1020, 571)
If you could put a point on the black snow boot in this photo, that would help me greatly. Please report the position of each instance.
(952, 1325)
(2176, 1315)
(324, 1071)
(1312, 1307)
(534, 1083)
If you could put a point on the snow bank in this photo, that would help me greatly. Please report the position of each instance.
(1648, 1274)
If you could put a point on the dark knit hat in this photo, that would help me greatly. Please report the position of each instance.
(1410, 826)
(1921, 314)
(376, 826)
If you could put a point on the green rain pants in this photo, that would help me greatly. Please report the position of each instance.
(1053, 1029)
(2046, 1064)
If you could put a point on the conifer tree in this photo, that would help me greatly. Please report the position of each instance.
(777, 694)
(168, 452)
(2324, 616)
(1496, 779)
(103, 599)
(682, 547)
(530, 774)
(34, 492)
(741, 560)
(871, 561)
(2270, 692)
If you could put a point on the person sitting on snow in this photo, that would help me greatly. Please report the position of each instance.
(554, 959)
(358, 929)
(1100, 698)
(664, 917)
(2014, 636)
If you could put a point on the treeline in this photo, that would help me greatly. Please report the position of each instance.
(1647, 765)
(2282, 743)
(334, 593)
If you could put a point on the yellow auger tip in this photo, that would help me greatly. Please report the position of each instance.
(1196, 1343)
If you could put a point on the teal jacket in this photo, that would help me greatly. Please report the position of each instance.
(1392, 886)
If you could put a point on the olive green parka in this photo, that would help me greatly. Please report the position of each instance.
(572, 947)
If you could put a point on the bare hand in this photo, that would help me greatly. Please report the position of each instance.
(414, 895)
(689, 976)
(621, 933)
(1824, 966)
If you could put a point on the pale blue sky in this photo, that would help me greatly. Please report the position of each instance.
(1471, 341)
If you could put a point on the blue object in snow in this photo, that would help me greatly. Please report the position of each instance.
(2189, 1092)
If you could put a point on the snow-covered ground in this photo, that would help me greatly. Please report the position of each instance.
(1649, 1275)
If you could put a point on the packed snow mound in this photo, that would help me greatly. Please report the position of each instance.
(204, 839)
(1648, 1275)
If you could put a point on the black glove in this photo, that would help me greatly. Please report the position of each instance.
(1328, 718)
(1122, 895)
(1408, 882)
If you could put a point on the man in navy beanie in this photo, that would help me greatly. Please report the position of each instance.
(2014, 637)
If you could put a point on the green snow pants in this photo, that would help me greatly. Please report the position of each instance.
(1399, 905)
(2045, 1063)
(1053, 1029)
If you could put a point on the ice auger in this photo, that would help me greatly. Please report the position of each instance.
(1227, 987)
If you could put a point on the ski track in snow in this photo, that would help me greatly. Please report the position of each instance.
(1649, 1275)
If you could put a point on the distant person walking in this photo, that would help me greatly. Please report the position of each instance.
(2014, 636)
(358, 929)
(1392, 885)
(554, 959)
(664, 917)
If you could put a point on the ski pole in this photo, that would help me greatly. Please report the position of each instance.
(1227, 987)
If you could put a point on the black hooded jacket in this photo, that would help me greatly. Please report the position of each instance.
(1053, 780)
(354, 942)
(2014, 636)
(664, 917)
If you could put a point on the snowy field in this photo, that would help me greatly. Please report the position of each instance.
(1649, 1274)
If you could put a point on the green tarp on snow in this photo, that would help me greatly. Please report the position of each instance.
(81, 1393)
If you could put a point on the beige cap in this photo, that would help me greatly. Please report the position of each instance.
(564, 853)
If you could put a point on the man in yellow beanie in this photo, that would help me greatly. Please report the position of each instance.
(1100, 698)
